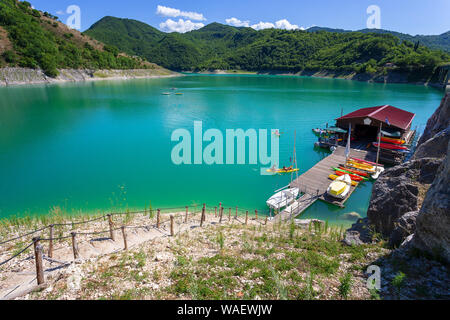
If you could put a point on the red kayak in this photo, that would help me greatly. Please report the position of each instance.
(365, 161)
(354, 177)
(394, 141)
(359, 173)
(388, 146)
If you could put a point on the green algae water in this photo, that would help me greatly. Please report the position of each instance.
(106, 145)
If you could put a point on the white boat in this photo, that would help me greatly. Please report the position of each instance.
(378, 171)
(340, 187)
(283, 199)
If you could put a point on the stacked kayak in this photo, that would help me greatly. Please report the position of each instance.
(340, 188)
(354, 177)
(365, 166)
(393, 140)
(388, 146)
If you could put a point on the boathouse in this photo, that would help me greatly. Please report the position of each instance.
(366, 122)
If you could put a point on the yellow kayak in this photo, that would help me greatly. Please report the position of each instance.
(334, 177)
(283, 171)
(361, 166)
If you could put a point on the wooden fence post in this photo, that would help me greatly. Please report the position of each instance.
(111, 227)
(246, 217)
(171, 226)
(50, 243)
(125, 243)
(187, 213)
(74, 246)
(38, 259)
(221, 214)
(203, 215)
(158, 218)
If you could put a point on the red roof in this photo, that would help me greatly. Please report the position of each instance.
(397, 117)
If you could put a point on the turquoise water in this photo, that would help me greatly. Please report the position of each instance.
(107, 145)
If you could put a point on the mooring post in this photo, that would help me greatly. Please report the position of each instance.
(267, 219)
(229, 215)
(203, 215)
(187, 213)
(111, 227)
(256, 214)
(236, 212)
(158, 218)
(246, 217)
(125, 243)
(50, 243)
(221, 214)
(74, 246)
(38, 259)
(171, 226)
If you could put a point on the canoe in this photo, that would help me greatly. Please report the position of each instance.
(388, 146)
(340, 187)
(282, 171)
(359, 173)
(352, 176)
(366, 162)
(334, 177)
(283, 198)
(393, 140)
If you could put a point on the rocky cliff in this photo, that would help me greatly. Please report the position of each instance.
(413, 198)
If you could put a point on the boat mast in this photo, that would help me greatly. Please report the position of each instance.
(294, 158)
(379, 145)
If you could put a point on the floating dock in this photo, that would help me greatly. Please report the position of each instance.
(314, 183)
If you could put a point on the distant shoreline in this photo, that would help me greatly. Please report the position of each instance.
(24, 76)
(392, 77)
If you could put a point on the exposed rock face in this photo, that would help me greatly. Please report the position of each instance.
(404, 227)
(433, 222)
(436, 147)
(359, 233)
(439, 121)
(396, 192)
(399, 193)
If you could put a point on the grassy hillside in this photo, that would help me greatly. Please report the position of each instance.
(219, 46)
(32, 39)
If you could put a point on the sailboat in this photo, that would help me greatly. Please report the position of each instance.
(287, 195)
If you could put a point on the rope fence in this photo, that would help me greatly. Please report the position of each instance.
(184, 216)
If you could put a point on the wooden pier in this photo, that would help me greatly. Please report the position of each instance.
(314, 183)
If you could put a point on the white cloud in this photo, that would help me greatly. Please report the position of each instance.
(171, 12)
(286, 25)
(180, 26)
(263, 25)
(237, 23)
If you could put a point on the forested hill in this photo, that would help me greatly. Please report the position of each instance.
(437, 42)
(33, 39)
(218, 46)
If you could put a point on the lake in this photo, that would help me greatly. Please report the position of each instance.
(106, 146)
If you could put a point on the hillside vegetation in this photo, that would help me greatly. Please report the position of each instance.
(32, 39)
(224, 47)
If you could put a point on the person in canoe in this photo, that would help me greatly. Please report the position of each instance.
(287, 169)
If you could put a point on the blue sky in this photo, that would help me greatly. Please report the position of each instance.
(408, 16)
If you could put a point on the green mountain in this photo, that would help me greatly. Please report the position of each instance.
(33, 39)
(437, 42)
(218, 46)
